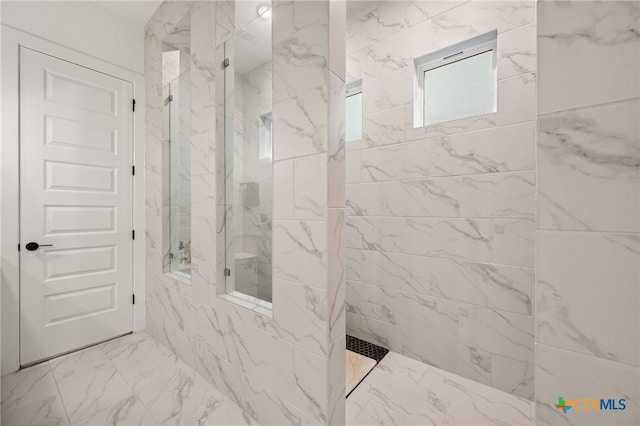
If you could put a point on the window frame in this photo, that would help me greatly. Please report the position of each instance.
(458, 52)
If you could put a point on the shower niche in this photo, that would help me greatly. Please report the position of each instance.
(248, 164)
(176, 151)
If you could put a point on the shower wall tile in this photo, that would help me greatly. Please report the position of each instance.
(477, 17)
(587, 311)
(504, 195)
(378, 332)
(392, 90)
(601, 275)
(283, 189)
(561, 372)
(571, 63)
(437, 197)
(300, 252)
(448, 355)
(310, 183)
(382, 128)
(295, 300)
(429, 276)
(589, 158)
(498, 332)
(513, 241)
(517, 52)
(516, 99)
(451, 238)
(507, 288)
(373, 23)
(309, 370)
(513, 376)
(301, 124)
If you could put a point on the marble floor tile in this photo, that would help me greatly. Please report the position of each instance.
(111, 384)
(46, 412)
(357, 367)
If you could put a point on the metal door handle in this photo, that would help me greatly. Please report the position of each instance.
(32, 246)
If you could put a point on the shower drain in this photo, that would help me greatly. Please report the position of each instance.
(365, 348)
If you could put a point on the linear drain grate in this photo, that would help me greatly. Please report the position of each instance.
(365, 348)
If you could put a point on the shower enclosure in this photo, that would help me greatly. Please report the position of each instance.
(248, 162)
(176, 152)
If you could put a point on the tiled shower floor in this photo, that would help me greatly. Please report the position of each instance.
(135, 381)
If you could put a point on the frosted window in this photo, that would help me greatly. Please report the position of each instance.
(354, 117)
(460, 89)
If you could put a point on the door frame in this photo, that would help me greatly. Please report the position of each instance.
(11, 41)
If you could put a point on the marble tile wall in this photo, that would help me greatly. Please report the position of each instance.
(285, 366)
(441, 219)
(588, 228)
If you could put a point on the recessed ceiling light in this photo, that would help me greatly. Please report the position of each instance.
(264, 10)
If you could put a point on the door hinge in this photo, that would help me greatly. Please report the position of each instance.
(133, 298)
(133, 104)
(18, 247)
(226, 62)
(227, 272)
(133, 234)
(133, 170)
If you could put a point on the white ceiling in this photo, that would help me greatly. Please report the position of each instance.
(136, 11)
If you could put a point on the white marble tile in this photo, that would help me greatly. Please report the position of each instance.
(580, 43)
(499, 195)
(500, 149)
(378, 332)
(337, 37)
(517, 52)
(28, 387)
(77, 362)
(477, 17)
(562, 373)
(396, 52)
(373, 23)
(301, 314)
(389, 91)
(508, 288)
(267, 359)
(283, 194)
(187, 399)
(300, 252)
(354, 67)
(425, 197)
(46, 412)
(513, 242)
(451, 238)
(516, 99)
(301, 61)
(337, 381)
(352, 166)
(336, 145)
(420, 10)
(478, 122)
(305, 13)
(92, 390)
(128, 412)
(382, 128)
(589, 178)
(410, 311)
(512, 376)
(310, 371)
(336, 286)
(498, 332)
(448, 355)
(418, 274)
(364, 299)
(391, 395)
(310, 183)
(599, 276)
(477, 404)
(300, 124)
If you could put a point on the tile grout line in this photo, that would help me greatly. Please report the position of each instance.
(64, 406)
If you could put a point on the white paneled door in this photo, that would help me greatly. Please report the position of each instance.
(76, 186)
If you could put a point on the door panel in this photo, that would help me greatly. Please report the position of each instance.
(76, 195)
